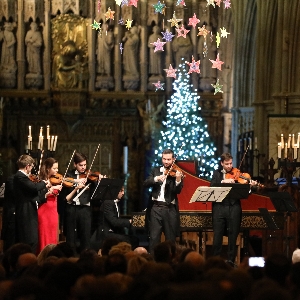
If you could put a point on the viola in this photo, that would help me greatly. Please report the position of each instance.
(238, 176)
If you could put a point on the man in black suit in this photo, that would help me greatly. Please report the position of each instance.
(27, 195)
(227, 215)
(163, 212)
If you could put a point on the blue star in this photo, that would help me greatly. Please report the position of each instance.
(121, 22)
(124, 2)
(121, 48)
(167, 35)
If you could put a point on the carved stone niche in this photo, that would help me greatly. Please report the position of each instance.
(69, 102)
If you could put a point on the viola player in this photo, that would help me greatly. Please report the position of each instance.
(162, 211)
(227, 215)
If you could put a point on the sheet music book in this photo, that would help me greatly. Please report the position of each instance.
(210, 194)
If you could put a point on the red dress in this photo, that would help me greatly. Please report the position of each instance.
(48, 222)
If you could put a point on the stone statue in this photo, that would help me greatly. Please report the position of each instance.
(8, 61)
(105, 46)
(131, 53)
(33, 41)
(183, 48)
(154, 57)
(68, 67)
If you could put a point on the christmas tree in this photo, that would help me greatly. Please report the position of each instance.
(184, 131)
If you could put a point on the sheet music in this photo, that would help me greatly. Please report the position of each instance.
(210, 194)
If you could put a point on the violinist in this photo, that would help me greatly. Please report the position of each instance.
(162, 212)
(227, 215)
(27, 196)
(78, 213)
(47, 211)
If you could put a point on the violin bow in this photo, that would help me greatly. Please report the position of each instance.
(87, 175)
(90, 170)
(243, 157)
(67, 168)
(40, 164)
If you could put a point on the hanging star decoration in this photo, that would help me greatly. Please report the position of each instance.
(159, 7)
(218, 39)
(217, 64)
(194, 21)
(158, 86)
(203, 31)
(210, 2)
(182, 31)
(194, 66)
(158, 45)
(109, 14)
(224, 32)
(180, 2)
(133, 3)
(171, 72)
(119, 2)
(218, 2)
(128, 23)
(121, 48)
(124, 2)
(121, 22)
(99, 5)
(174, 21)
(218, 87)
(96, 25)
(167, 35)
(226, 4)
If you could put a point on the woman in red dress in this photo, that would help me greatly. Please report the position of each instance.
(47, 212)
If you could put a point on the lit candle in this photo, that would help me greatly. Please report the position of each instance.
(255, 142)
(295, 151)
(48, 131)
(279, 150)
(39, 143)
(125, 158)
(29, 130)
(52, 142)
(285, 150)
(41, 131)
(42, 142)
(250, 143)
(29, 142)
(55, 142)
(48, 139)
(289, 142)
(282, 141)
(293, 140)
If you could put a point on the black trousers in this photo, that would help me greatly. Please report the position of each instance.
(162, 219)
(226, 218)
(78, 225)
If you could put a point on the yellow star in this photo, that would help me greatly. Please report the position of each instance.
(128, 23)
(218, 40)
(174, 21)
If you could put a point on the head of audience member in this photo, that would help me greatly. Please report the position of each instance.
(107, 244)
(277, 267)
(135, 264)
(44, 254)
(122, 247)
(216, 262)
(62, 250)
(140, 250)
(162, 252)
(115, 262)
(196, 260)
(296, 256)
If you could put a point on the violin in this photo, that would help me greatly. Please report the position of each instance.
(34, 178)
(58, 179)
(238, 176)
(92, 176)
(172, 171)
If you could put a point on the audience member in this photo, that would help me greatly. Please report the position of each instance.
(296, 256)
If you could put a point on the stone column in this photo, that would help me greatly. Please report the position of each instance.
(143, 46)
(21, 45)
(117, 54)
(91, 37)
(47, 46)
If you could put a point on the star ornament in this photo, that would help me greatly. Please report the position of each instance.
(171, 72)
(174, 21)
(159, 7)
(182, 31)
(218, 2)
(218, 40)
(218, 87)
(121, 48)
(194, 66)
(128, 23)
(203, 31)
(180, 2)
(158, 86)
(210, 2)
(118, 2)
(217, 64)
(133, 3)
(158, 45)
(224, 32)
(167, 35)
(109, 14)
(96, 25)
(226, 4)
(194, 21)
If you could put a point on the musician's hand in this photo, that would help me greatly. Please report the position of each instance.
(228, 180)
(178, 176)
(57, 187)
(253, 182)
(48, 184)
(81, 180)
(79, 186)
(160, 178)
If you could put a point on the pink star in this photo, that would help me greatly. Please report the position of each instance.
(218, 2)
(133, 2)
(217, 64)
(227, 4)
(182, 31)
(158, 86)
(158, 45)
(193, 21)
(171, 72)
(194, 66)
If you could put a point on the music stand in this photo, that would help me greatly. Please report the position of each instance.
(282, 202)
(238, 190)
(109, 188)
(210, 194)
(268, 218)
